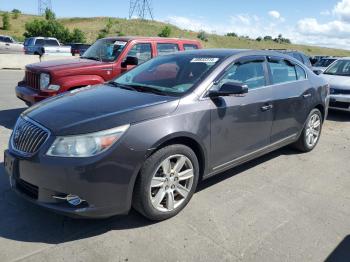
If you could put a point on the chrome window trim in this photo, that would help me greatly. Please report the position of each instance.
(21, 153)
(204, 97)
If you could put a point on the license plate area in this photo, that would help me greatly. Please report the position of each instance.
(11, 167)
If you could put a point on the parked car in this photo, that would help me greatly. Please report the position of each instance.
(103, 61)
(338, 77)
(322, 64)
(317, 58)
(9, 46)
(78, 48)
(146, 138)
(45, 46)
(300, 56)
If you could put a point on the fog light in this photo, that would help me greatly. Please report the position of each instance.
(71, 199)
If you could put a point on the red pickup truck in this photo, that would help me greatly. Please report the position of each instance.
(106, 59)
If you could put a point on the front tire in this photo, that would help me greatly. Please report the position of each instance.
(311, 133)
(166, 182)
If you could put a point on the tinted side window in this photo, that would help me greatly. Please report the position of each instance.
(190, 46)
(301, 75)
(307, 61)
(1, 39)
(164, 49)
(282, 71)
(39, 42)
(51, 42)
(7, 40)
(142, 51)
(250, 73)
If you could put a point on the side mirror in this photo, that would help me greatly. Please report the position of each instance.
(318, 72)
(229, 88)
(130, 60)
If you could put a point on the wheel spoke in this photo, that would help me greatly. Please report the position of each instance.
(159, 197)
(309, 138)
(185, 175)
(166, 165)
(170, 201)
(317, 124)
(157, 181)
(183, 191)
(180, 163)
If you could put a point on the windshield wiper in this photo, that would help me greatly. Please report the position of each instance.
(122, 86)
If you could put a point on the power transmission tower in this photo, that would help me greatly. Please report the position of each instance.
(43, 5)
(141, 8)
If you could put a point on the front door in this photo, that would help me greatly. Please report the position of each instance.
(241, 125)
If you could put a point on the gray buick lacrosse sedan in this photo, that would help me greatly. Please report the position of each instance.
(146, 139)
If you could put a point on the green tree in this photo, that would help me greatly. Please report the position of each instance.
(47, 28)
(6, 21)
(49, 15)
(16, 13)
(268, 38)
(77, 36)
(232, 34)
(109, 25)
(101, 34)
(259, 39)
(166, 31)
(202, 36)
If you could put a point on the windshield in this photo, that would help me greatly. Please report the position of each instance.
(340, 67)
(105, 50)
(324, 62)
(170, 74)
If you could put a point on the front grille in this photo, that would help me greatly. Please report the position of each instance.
(32, 80)
(342, 105)
(28, 189)
(340, 91)
(28, 137)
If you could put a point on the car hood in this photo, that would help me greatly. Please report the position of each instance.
(97, 108)
(337, 82)
(64, 64)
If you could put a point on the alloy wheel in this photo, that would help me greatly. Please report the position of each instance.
(171, 183)
(313, 130)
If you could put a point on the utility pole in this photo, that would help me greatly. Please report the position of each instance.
(43, 5)
(141, 8)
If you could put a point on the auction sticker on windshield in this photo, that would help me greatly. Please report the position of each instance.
(204, 60)
(120, 43)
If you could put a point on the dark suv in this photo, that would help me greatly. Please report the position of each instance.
(146, 138)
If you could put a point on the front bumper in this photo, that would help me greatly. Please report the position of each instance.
(104, 184)
(31, 96)
(340, 102)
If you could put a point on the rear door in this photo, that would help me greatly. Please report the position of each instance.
(241, 125)
(290, 97)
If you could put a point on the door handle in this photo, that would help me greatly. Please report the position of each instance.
(267, 107)
(7, 44)
(307, 95)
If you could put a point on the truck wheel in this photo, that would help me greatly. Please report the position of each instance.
(166, 183)
(311, 132)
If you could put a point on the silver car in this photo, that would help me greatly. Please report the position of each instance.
(9, 46)
(338, 77)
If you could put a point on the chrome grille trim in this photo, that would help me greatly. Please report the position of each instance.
(32, 79)
(28, 136)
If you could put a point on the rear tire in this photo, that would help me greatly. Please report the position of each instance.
(166, 182)
(311, 133)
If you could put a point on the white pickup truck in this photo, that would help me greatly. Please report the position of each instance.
(9, 46)
(45, 46)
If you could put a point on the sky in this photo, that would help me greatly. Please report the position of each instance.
(315, 22)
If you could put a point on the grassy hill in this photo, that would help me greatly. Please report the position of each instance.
(92, 26)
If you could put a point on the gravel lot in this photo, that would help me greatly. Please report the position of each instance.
(284, 206)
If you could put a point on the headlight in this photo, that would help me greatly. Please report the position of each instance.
(44, 81)
(86, 145)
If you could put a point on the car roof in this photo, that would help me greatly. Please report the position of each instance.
(130, 38)
(221, 52)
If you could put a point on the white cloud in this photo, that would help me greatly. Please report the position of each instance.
(342, 10)
(325, 13)
(275, 14)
